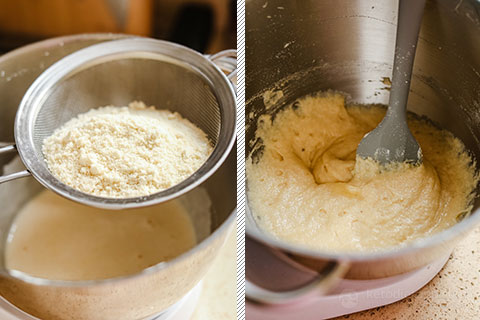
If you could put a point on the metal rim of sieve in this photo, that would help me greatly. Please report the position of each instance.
(145, 48)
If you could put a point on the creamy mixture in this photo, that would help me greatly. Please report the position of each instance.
(55, 238)
(122, 152)
(308, 188)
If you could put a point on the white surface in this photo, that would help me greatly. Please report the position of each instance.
(182, 310)
(349, 296)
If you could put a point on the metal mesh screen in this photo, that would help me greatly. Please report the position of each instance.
(159, 83)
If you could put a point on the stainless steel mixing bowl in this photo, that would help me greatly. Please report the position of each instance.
(306, 46)
(137, 296)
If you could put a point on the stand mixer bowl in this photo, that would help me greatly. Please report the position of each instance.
(145, 294)
(303, 47)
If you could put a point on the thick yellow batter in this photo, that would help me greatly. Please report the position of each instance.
(307, 187)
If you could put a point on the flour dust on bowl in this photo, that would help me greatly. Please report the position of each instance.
(198, 216)
(158, 73)
(295, 50)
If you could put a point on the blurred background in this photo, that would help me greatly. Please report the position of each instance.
(207, 26)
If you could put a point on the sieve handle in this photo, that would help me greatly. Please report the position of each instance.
(226, 60)
(16, 175)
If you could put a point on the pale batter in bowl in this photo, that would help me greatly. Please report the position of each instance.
(307, 187)
(54, 238)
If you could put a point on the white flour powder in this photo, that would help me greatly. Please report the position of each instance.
(122, 152)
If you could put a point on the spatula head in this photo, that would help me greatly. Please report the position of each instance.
(390, 141)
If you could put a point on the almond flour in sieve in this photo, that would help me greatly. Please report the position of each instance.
(122, 152)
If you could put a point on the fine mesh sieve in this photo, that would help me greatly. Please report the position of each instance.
(159, 73)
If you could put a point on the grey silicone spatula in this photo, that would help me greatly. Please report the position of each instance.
(391, 140)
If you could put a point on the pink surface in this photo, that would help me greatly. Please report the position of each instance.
(349, 296)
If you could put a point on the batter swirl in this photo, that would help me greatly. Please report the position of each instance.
(308, 188)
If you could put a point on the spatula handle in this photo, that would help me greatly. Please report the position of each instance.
(410, 14)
